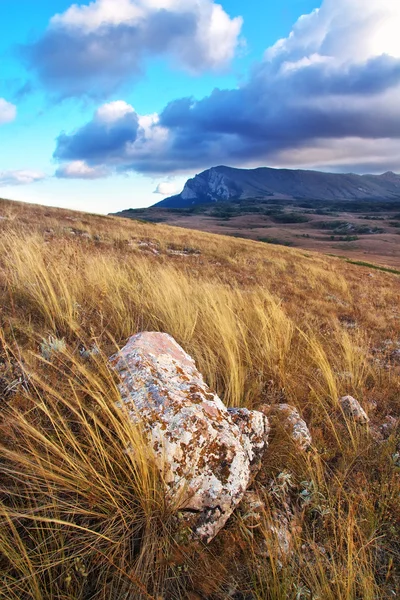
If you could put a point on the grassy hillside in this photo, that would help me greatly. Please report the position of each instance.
(81, 519)
(361, 230)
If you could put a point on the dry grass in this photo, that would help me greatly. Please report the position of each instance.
(80, 518)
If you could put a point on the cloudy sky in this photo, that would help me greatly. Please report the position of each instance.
(112, 104)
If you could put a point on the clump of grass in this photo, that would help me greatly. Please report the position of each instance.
(80, 511)
(52, 346)
(275, 241)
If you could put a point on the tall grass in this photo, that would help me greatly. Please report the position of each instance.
(81, 517)
(76, 502)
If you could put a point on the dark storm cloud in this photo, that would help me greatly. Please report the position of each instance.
(272, 112)
(374, 76)
(98, 142)
(326, 87)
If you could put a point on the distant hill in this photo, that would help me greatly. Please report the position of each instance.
(226, 183)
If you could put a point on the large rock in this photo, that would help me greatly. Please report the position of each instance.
(205, 454)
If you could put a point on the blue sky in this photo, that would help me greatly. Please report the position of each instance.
(102, 103)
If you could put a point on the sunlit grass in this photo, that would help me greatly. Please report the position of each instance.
(80, 517)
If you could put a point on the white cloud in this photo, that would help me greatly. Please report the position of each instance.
(167, 188)
(350, 31)
(8, 111)
(212, 44)
(22, 177)
(92, 49)
(97, 14)
(79, 169)
(113, 111)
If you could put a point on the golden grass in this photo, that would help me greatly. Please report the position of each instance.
(82, 518)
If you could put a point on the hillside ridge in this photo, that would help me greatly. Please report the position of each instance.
(224, 183)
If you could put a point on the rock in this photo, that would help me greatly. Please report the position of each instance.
(254, 427)
(352, 408)
(149, 247)
(88, 353)
(381, 433)
(289, 418)
(281, 532)
(389, 426)
(206, 458)
(274, 528)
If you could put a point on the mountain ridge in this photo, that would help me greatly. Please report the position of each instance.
(223, 183)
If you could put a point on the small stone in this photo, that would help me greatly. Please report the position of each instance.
(277, 528)
(281, 530)
(353, 409)
(389, 426)
(288, 417)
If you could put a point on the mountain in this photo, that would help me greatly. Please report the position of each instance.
(226, 183)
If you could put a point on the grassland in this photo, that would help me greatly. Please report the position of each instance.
(365, 231)
(82, 519)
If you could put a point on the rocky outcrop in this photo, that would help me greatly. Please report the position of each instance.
(224, 184)
(205, 453)
(288, 418)
(353, 410)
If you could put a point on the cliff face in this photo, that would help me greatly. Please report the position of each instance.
(225, 183)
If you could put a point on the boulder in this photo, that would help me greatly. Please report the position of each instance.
(353, 409)
(288, 417)
(206, 454)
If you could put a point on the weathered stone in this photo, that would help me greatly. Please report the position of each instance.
(204, 457)
(281, 531)
(272, 530)
(254, 427)
(381, 433)
(289, 418)
(389, 426)
(352, 409)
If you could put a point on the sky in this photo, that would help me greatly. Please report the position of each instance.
(114, 104)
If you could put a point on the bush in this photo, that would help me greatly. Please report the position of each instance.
(290, 218)
(275, 241)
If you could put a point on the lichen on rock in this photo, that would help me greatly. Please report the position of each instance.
(205, 453)
(254, 427)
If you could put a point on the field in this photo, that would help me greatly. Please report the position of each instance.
(360, 230)
(82, 519)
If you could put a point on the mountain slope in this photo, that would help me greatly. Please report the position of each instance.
(226, 183)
